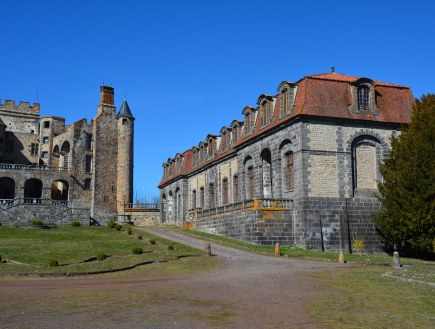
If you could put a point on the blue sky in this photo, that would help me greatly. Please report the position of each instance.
(190, 67)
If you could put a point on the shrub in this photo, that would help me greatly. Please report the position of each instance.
(111, 224)
(0, 224)
(139, 237)
(129, 232)
(37, 222)
(171, 247)
(52, 262)
(152, 241)
(118, 227)
(75, 224)
(136, 250)
(101, 256)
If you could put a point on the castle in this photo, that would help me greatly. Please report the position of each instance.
(300, 169)
(60, 173)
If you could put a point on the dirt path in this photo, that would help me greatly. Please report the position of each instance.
(247, 291)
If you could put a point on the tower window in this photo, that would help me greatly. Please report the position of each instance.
(46, 124)
(87, 183)
(88, 141)
(88, 163)
(124, 121)
(363, 98)
(45, 140)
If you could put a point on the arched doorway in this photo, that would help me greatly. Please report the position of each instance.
(266, 179)
(33, 189)
(7, 188)
(64, 154)
(59, 190)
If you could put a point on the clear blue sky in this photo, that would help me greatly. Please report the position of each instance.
(190, 67)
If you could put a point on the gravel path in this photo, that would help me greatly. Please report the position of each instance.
(247, 291)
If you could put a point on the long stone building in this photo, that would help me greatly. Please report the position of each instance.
(59, 173)
(300, 169)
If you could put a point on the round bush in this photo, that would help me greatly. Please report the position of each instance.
(152, 241)
(118, 227)
(0, 224)
(129, 232)
(111, 224)
(171, 247)
(75, 224)
(139, 237)
(52, 262)
(101, 256)
(37, 222)
(136, 250)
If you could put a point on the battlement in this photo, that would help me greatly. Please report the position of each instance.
(23, 107)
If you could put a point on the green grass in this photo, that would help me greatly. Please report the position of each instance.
(299, 252)
(361, 298)
(75, 244)
(424, 273)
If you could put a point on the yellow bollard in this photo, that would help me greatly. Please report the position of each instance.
(277, 250)
(341, 257)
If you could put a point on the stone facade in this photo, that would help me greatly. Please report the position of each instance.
(86, 166)
(315, 147)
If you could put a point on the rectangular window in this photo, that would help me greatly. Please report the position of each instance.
(235, 135)
(290, 171)
(35, 149)
(45, 154)
(104, 198)
(45, 140)
(46, 124)
(247, 125)
(124, 121)
(88, 163)
(251, 182)
(212, 196)
(226, 192)
(87, 183)
(202, 197)
(9, 147)
(236, 189)
(88, 141)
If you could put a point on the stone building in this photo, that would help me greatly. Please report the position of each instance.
(60, 173)
(300, 169)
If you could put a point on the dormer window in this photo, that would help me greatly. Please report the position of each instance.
(235, 134)
(247, 123)
(265, 115)
(287, 92)
(210, 147)
(363, 98)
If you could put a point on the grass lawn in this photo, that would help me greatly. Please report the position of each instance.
(361, 298)
(75, 244)
(299, 252)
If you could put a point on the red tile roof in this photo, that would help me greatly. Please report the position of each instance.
(326, 95)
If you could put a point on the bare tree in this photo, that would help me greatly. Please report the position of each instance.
(145, 196)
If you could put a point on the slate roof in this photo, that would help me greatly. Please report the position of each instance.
(124, 111)
(324, 95)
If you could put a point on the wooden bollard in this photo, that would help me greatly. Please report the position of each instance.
(396, 260)
(207, 249)
(341, 257)
(277, 250)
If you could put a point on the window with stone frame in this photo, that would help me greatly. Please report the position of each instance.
(34, 150)
(88, 183)
(194, 198)
(45, 140)
(224, 142)
(45, 154)
(247, 123)
(251, 182)
(289, 160)
(195, 157)
(235, 135)
(284, 100)
(225, 190)
(363, 98)
(46, 124)
(211, 196)
(236, 188)
(201, 191)
(211, 147)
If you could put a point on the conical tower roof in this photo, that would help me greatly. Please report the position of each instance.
(125, 110)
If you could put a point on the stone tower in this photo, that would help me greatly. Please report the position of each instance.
(125, 159)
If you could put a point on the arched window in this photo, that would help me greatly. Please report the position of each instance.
(225, 187)
(7, 188)
(33, 188)
(289, 158)
(251, 182)
(363, 98)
